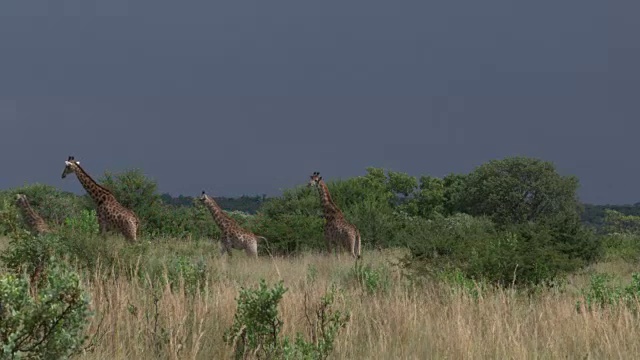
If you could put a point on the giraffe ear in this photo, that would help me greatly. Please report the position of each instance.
(320, 178)
(77, 162)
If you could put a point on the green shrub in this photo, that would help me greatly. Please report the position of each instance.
(255, 332)
(369, 278)
(27, 253)
(292, 223)
(47, 325)
(524, 254)
(621, 246)
(192, 274)
(85, 223)
(52, 204)
(256, 326)
(602, 294)
(10, 220)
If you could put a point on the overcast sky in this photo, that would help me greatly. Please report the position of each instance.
(250, 97)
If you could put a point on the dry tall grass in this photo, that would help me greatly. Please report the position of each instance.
(135, 320)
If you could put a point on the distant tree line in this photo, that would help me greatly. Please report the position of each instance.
(244, 203)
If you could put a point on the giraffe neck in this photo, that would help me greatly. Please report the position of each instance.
(97, 192)
(28, 212)
(330, 208)
(219, 216)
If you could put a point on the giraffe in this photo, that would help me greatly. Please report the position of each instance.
(111, 214)
(337, 230)
(233, 236)
(35, 222)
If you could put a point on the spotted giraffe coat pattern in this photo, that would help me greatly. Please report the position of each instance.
(34, 221)
(111, 214)
(338, 232)
(233, 236)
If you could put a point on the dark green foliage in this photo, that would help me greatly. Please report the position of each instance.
(519, 190)
(43, 323)
(52, 204)
(532, 233)
(292, 223)
(521, 254)
(139, 193)
(616, 222)
(621, 246)
(595, 215)
(27, 253)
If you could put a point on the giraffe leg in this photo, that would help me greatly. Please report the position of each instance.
(251, 248)
(226, 247)
(352, 246)
(130, 230)
(328, 243)
(103, 224)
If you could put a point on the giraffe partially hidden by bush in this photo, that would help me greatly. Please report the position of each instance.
(338, 232)
(233, 236)
(34, 221)
(111, 214)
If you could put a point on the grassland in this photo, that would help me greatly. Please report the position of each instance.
(134, 318)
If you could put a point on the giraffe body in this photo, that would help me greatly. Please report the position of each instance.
(35, 222)
(338, 232)
(111, 214)
(233, 236)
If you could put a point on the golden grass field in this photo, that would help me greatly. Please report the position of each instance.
(429, 321)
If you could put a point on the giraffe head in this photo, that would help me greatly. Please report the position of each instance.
(314, 179)
(21, 199)
(70, 166)
(203, 196)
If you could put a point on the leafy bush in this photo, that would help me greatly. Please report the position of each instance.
(192, 274)
(85, 223)
(602, 294)
(517, 255)
(10, 222)
(292, 223)
(518, 190)
(52, 204)
(48, 324)
(256, 327)
(324, 325)
(621, 246)
(371, 279)
(28, 253)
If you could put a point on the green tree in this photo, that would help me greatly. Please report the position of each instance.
(518, 190)
(428, 201)
(133, 189)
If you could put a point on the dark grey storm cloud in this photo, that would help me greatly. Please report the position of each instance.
(249, 97)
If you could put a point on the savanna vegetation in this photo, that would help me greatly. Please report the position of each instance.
(502, 262)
